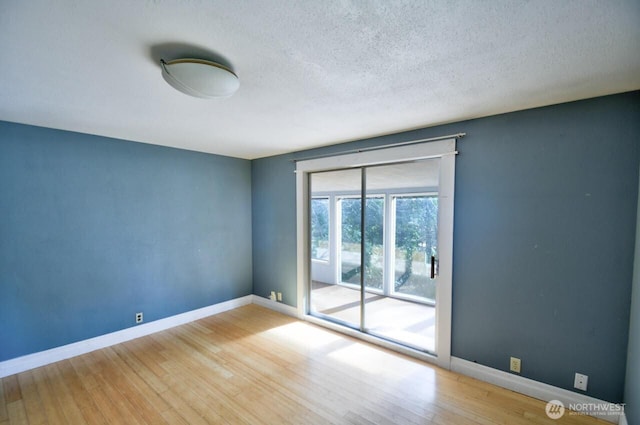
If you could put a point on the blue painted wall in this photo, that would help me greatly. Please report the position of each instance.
(632, 381)
(274, 227)
(544, 241)
(545, 220)
(96, 229)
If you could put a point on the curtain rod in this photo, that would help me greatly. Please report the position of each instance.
(391, 145)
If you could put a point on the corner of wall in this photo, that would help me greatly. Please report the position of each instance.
(632, 377)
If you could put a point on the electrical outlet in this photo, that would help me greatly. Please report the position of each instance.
(514, 365)
(581, 382)
(139, 318)
(272, 297)
(280, 296)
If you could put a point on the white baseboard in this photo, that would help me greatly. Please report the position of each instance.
(274, 305)
(31, 361)
(623, 419)
(588, 405)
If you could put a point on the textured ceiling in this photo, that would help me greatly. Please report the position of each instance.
(312, 73)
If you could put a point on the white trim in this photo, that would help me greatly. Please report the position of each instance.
(388, 146)
(302, 241)
(442, 149)
(444, 297)
(623, 419)
(42, 358)
(531, 388)
(274, 305)
(380, 156)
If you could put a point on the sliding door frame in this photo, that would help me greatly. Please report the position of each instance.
(443, 149)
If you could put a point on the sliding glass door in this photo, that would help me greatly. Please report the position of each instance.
(378, 271)
(378, 245)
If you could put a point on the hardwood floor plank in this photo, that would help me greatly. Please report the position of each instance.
(131, 388)
(17, 413)
(178, 350)
(11, 389)
(32, 401)
(195, 396)
(4, 416)
(356, 419)
(61, 391)
(83, 366)
(50, 405)
(182, 408)
(109, 384)
(132, 357)
(148, 353)
(80, 394)
(173, 418)
(107, 407)
(282, 385)
(133, 384)
(224, 393)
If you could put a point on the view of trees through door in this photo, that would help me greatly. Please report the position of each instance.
(351, 209)
(395, 262)
(416, 241)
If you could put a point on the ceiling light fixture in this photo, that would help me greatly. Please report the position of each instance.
(200, 78)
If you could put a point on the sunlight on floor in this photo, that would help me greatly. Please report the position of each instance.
(403, 321)
(378, 363)
(304, 335)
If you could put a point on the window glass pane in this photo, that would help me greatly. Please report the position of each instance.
(350, 246)
(373, 247)
(416, 241)
(320, 229)
(350, 240)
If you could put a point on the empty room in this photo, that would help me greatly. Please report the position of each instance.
(336, 212)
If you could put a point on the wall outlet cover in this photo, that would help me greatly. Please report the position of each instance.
(515, 364)
(580, 382)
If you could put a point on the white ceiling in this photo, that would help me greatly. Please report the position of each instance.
(312, 73)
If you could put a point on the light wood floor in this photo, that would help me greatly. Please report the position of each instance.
(255, 366)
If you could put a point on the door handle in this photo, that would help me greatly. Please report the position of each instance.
(433, 267)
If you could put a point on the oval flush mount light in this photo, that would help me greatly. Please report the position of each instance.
(200, 78)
